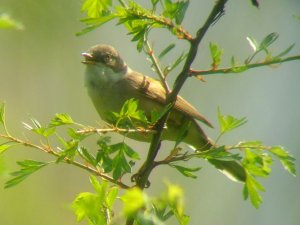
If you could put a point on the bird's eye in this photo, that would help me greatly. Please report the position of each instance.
(108, 58)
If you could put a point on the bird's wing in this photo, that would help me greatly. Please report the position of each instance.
(152, 89)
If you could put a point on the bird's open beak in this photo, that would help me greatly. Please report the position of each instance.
(88, 58)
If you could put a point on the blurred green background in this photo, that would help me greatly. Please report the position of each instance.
(41, 74)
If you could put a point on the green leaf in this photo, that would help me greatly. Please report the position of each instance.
(75, 135)
(88, 205)
(175, 201)
(93, 23)
(220, 153)
(3, 148)
(89, 158)
(102, 156)
(27, 167)
(251, 189)
(96, 208)
(44, 131)
(253, 43)
(181, 10)
(287, 161)
(111, 196)
(256, 162)
(61, 119)
(154, 2)
(268, 40)
(133, 201)
(216, 54)
(176, 63)
(166, 50)
(130, 152)
(129, 107)
(69, 152)
(2, 113)
(228, 122)
(175, 10)
(286, 51)
(96, 8)
(130, 115)
(6, 22)
(188, 172)
(120, 165)
(100, 188)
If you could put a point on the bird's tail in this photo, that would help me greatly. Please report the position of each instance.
(232, 169)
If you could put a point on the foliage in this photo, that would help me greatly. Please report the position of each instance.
(97, 208)
(6, 22)
(114, 161)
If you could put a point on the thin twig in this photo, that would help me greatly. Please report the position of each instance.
(158, 69)
(51, 151)
(114, 129)
(242, 68)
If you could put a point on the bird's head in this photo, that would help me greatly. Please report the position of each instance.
(104, 55)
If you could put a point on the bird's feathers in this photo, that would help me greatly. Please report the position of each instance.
(152, 89)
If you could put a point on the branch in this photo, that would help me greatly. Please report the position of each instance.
(158, 69)
(143, 174)
(180, 32)
(93, 130)
(238, 69)
(48, 149)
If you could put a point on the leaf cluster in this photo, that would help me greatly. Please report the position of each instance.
(96, 208)
(137, 19)
(118, 159)
(155, 211)
(236, 67)
(111, 161)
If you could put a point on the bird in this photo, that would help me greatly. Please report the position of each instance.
(110, 82)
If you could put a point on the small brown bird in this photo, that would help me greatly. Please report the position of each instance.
(110, 82)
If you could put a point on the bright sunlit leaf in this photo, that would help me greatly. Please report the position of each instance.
(253, 43)
(228, 122)
(3, 148)
(61, 119)
(285, 158)
(251, 189)
(133, 200)
(96, 8)
(6, 22)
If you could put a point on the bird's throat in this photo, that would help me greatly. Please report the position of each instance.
(101, 76)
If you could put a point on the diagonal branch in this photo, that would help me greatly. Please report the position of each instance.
(49, 150)
(142, 176)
